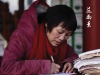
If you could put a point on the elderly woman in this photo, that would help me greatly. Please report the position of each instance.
(39, 44)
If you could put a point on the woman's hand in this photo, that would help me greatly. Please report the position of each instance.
(68, 68)
(54, 68)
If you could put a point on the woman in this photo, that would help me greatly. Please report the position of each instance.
(34, 44)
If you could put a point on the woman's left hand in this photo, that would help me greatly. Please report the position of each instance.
(68, 68)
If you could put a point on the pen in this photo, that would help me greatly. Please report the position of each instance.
(52, 59)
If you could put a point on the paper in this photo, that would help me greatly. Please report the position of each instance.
(60, 73)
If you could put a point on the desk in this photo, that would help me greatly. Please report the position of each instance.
(63, 74)
(68, 74)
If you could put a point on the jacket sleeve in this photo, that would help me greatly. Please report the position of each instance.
(13, 64)
(71, 55)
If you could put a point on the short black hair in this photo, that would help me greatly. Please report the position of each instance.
(57, 14)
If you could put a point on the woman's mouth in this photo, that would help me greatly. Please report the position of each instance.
(58, 42)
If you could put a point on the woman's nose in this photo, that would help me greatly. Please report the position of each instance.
(62, 37)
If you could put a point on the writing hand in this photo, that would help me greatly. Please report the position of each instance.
(54, 68)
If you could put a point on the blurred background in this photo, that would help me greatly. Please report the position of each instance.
(85, 38)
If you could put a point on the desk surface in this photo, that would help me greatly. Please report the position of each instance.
(62, 74)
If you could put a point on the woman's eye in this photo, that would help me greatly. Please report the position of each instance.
(60, 32)
(67, 34)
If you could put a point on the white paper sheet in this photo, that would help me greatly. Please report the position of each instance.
(60, 73)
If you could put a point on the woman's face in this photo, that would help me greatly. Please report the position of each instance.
(58, 35)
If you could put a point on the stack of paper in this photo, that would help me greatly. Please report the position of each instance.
(88, 62)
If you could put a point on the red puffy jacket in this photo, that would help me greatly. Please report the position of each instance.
(17, 53)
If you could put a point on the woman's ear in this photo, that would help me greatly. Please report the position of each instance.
(46, 25)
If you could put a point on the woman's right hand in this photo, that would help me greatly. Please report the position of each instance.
(54, 68)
